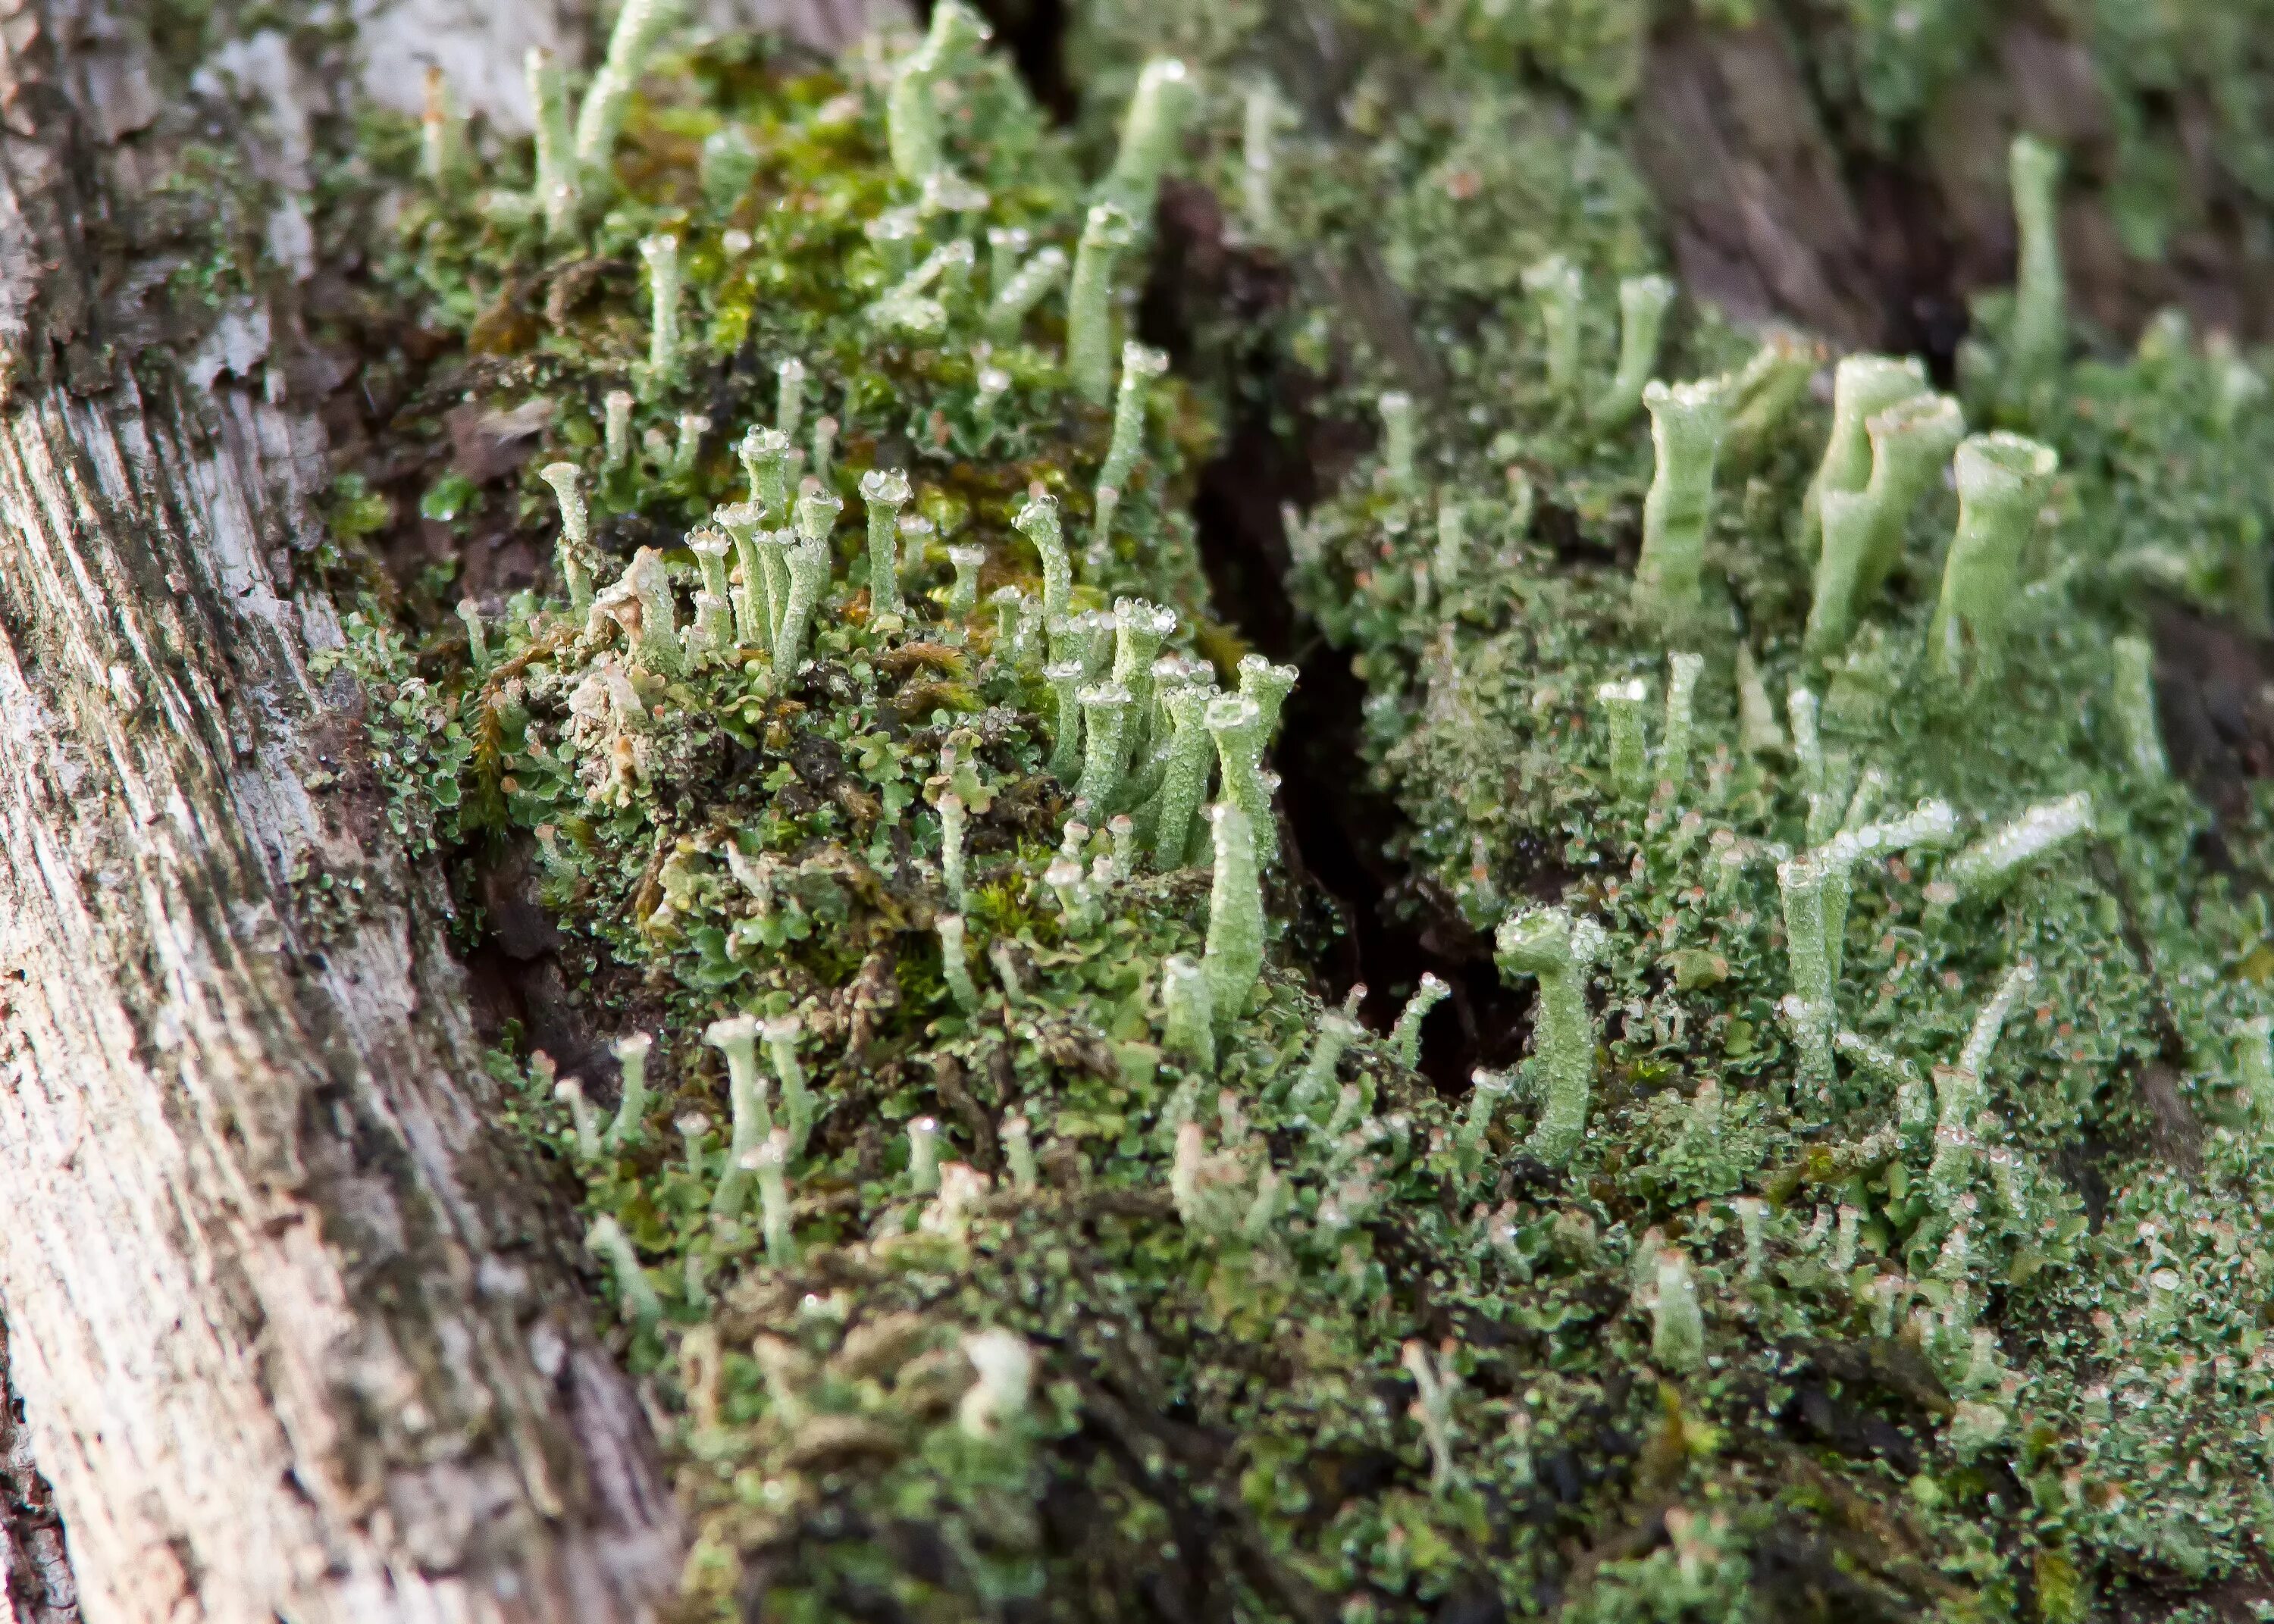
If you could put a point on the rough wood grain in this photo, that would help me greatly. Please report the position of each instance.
(296, 1336)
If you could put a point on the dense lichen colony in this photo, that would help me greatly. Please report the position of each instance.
(1005, 1224)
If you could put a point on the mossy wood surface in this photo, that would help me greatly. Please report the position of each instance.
(762, 596)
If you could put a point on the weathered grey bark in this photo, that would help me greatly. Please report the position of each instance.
(294, 1333)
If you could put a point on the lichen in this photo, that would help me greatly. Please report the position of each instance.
(1030, 1236)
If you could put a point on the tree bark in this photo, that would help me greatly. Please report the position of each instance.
(295, 1332)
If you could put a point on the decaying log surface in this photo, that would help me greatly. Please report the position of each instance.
(283, 1340)
(35, 1569)
(1778, 208)
(295, 1334)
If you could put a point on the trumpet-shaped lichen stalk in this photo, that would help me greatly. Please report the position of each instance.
(1486, 1090)
(923, 1155)
(1847, 521)
(711, 550)
(824, 448)
(712, 633)
(1188, 1026)
(1677, 1328)
(963, 590)
(2134, 702)
(885, 492)
(1006, 246)
(1269, 686)
(570, 1093)
(1911, 443)
(2040, 331)
(1802, 707)
(1752, 1215)
(693, 426)
(1623, 704)
(1432, 1411)
(1549, 945)
(1019, 1151)
(770, 1164)
(1554, 286)
(1140, 628)
(774, 548)
(789, 399)
(1812, 1007)
(1064, 679)
(1086, 639)
(781, 1035)
(1184, 780)
(952, 826)
(477, 637)
(1929, 826)
(1686, 422)
(1862, 386)
(1140, 365)
(1258, 129)
(954, 962)
(658, 647)
(557, 191)
(1014, 298)
(1642, 304)
(633, 1102)
(639, 25)
(1105, 233)
(1400, 438)
(576, 535)
(1757, 724)
(998, 1402)
(606, 1241)
(1405, 1035)
(1236, 723)
(1996, 858)
(617, 433)
(2001, 485)
(1038, 522)
(714, 614)
(1149, 132)
(911, 114)
(1104, 729)
(753, 624)
(737, 1038)
(1445, 563)
(693, 1127)
(808, 574)
(441, 132)
(1233, 957)
(661, 253)
(1683, 671)
(1983, 1038)
(766, 457)
(1313, 1088)
(1767, 389)
(1010, 614)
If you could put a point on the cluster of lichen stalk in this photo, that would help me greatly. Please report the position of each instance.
(1139, 736)
(1891, 440)
(1163, 770)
